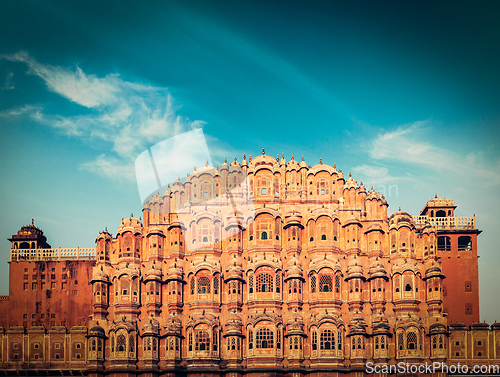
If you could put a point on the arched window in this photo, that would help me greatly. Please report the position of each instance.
(216, 284)
(121, 343)
(323, 237)
(264, 338)
(131, 342)
(215, 339)
(400, 341)
(203, 285)
(190, 341)
(264, 282)
(411, 340)
(313, 284)
(314, 340)
(263, 236)
(327, 340)
(202, 341)
(250, 339)
(250, 284)
(192, 286)
(325, 283)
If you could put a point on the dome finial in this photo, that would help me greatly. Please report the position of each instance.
(263, 151)
(302, 158)
(399, 208)
(321, 161)
(350, 176)
(244, 156)
(225, 160)
(206, 163)
(436, 196)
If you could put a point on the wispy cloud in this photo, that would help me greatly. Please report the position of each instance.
(407, 145)
(129, 116)
(9, 85)
(374, 174)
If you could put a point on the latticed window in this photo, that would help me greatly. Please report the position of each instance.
(112, 343)
(315, 340)
(215, 340)
(192, 286)
(441, 343)
(434, 342)
(408, 283)
(264, 282)
(250, 339)
(339, 338)
(250, 283)
(131, 342)
(202, 341)
(327, 340)
(400, 341)
(203, 285)
(216, 284)
(190, 341)
(337, 283)
(233, 343)
(147, 344)
(264, 338)
(155, 344)
(313, 283)
(278, 339)
(360, 343)
(92, 348)
(325, 283)
(376, 343)
(278, 283)
(411, 340)
(121, 343)
(382, 342)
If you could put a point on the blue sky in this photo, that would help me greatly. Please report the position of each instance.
(403, 94)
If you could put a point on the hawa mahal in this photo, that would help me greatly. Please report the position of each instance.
(264, 267)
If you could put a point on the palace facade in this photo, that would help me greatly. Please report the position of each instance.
(255, 268)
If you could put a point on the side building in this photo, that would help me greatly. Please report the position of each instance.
(266, 266)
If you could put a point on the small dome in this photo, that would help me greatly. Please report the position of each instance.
(350, 183)
(234, 324)
(99, 275)
(151, 327)
(97, 331)
(303, 163)
(175, 271)
(354, 270)
(433, 271)
(357, 324)
(377, 270)
(400, 218)
(234, 269)
(294, 269)
(130, 224)
(154, 273)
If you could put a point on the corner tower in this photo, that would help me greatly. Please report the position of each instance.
(457, 250)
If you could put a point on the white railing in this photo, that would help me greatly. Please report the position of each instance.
(446, 222)
(66, 253)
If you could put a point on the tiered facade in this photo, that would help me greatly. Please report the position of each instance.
(266, 266)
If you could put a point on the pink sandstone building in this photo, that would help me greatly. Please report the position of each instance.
(264, 267)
